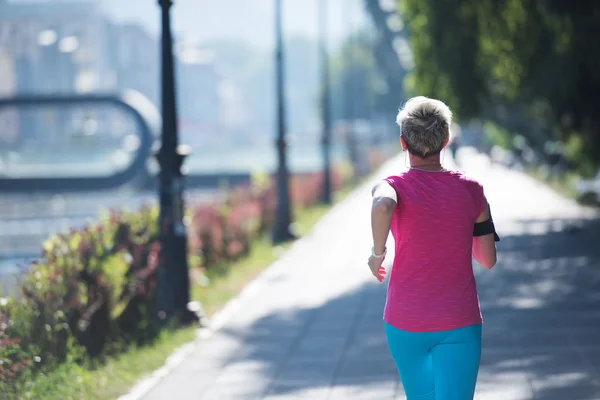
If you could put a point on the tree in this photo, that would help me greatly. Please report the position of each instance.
(530, 58)
(252, 70)
(392, 71)
(358, 81)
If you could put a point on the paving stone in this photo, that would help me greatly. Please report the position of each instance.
(504, 386)
(184, 386)
(234, 393)
(319, 393)
(542, 339)
(590, 339)
(368, 369)
(576, 384)
(361, 391)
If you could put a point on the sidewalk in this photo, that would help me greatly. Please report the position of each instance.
(310, 327)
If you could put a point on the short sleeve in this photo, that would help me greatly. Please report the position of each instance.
(393, 182)
(478, 194)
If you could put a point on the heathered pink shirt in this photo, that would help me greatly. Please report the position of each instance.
(432, 286)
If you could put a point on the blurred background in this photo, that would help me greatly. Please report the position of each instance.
(86, 126)
(61, 163)
(526, 103)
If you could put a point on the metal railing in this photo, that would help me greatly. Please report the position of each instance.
(145, 116)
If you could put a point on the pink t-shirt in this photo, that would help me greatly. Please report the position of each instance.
(432, 286)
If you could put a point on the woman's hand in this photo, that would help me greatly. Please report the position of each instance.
(377, 269)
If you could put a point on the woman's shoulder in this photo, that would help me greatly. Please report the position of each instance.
(473, 186)
(396, 180)
(398, 177)
(406, 176)
(466, 178)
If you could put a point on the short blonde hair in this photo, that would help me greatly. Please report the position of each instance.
(424, 125)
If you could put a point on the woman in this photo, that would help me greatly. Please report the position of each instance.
(439, 219)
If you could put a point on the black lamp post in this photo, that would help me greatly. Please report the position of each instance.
(283, 215)
(325, 102)
(173, 281)
(350, 91)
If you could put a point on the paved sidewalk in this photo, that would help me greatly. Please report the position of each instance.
(311, 328)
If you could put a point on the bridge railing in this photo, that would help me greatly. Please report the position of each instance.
(59, 143)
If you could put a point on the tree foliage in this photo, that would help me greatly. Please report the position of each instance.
(355, 78)
(536, 57)
(387, 60)
(361, 87)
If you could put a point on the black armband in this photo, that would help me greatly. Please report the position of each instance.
(485, 228)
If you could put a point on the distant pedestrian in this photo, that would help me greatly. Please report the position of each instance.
(440, 220)
(455, 140)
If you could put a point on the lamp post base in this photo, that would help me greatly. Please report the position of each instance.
(282, 236)
(188, 318)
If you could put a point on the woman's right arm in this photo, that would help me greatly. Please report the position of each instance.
(484, 247)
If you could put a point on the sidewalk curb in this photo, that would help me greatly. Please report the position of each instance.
(220, 319)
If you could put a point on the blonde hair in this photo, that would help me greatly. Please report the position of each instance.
(424, 125)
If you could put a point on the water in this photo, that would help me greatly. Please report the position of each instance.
(102, 163)
(27, 221)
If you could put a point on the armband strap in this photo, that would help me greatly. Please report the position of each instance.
(485, 228)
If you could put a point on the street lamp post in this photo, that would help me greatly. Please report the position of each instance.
(351, 91)
(173, 280)
(325, 102)
(283, 215)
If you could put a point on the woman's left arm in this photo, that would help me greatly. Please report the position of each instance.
(382, 210)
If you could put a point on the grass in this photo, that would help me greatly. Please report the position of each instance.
(224, 286)
(119, 374)
(113, 378)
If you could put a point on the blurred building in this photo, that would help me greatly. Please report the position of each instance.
(135, 56)
(57, 47)
(9, 133)
(199, 103)
(70, 46)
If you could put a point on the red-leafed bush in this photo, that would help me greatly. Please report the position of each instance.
(220, 234)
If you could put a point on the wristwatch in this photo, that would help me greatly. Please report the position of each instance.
(378, 255)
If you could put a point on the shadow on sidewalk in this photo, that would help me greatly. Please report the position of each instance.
(341, 342)
(540, 306)
(541, 330)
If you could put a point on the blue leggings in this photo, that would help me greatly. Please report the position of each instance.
(439, 365)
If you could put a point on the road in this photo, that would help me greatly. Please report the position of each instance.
(310, 327)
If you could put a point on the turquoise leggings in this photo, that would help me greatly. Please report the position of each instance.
(439, 365)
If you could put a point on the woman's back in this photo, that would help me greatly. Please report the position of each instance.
(432, 286)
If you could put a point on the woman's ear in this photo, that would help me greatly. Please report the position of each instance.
(403, 143)
(446, 142)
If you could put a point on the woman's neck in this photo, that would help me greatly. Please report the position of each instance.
(429, 164)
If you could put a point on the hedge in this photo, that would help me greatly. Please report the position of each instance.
(91, 295)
